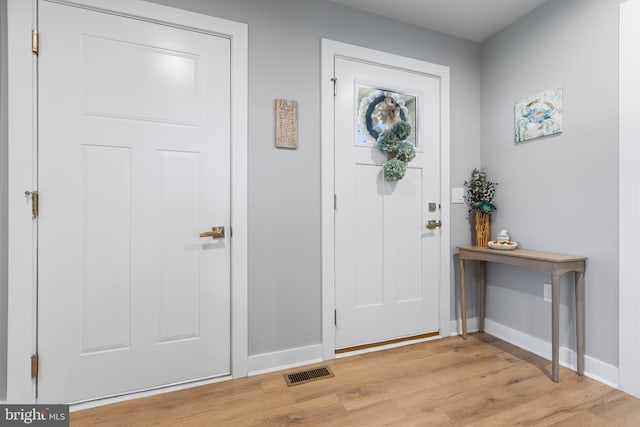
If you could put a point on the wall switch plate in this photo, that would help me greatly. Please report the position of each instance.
(457, 195)
(547, 292)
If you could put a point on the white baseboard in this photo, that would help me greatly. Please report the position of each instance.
(593, 368)
(472, 326)
(285, 359)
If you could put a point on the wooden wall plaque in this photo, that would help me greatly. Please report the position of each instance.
(286, 123)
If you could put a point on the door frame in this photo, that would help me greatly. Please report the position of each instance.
(629, 231)
(22, 102)
(330, 50)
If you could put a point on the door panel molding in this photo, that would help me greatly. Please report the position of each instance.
(331, 50)
(22, 18)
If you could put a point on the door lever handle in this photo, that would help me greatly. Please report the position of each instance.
(215, 233)
(432, 224)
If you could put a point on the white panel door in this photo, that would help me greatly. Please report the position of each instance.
(134, 152)
(386, 260)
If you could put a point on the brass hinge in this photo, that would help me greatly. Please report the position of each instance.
(334, 80)
(34, 42)
(34, 202)
(34, 366)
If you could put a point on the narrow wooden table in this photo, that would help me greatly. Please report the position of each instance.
(554, 264)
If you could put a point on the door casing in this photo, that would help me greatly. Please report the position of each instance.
(629, 318)
(330, 50)
(22, 272)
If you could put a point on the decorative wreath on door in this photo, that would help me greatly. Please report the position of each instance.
(385, 119)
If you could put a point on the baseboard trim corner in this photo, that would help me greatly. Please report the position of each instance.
(456, 328)
(284, 359)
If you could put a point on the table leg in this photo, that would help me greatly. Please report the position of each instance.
(555, 326)
(580, 320)
(483, 294)
(463, 300)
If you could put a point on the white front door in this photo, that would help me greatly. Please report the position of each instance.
(386, 260)
(134, 162)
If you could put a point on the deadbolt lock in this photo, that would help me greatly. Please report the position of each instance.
(215, 233)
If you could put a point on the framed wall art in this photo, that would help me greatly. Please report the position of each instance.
(539, 115)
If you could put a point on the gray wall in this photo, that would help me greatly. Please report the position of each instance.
(284, 186)
(558, 193)
(3, 198)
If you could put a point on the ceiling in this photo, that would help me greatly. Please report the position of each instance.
(474, 20)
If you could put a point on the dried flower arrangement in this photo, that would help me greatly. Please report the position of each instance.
(479, 196)
(480, 192)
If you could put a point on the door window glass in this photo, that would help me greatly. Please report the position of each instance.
(378, 109)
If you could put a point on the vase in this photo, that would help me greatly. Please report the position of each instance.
(483, 230)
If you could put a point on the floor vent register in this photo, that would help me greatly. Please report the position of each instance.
(303, 377)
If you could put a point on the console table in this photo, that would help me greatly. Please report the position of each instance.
(554, 264)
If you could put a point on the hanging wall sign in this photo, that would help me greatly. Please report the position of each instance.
(286, 123)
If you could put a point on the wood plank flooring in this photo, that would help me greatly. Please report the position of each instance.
(482, 381)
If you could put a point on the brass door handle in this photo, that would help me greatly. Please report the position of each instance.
(215, 233)
(432, 224)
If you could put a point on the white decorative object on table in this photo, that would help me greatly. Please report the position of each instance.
(503, 236)
(504, 245)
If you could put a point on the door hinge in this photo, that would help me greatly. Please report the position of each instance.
(35, 45)
(335, 202)
(335, 317)
(34, 366)
(334, 80)
(34, 202)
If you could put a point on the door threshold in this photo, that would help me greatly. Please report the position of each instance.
(383, 345)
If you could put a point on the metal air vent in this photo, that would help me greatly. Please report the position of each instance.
(303, 377)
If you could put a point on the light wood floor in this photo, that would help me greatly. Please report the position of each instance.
(449, 382)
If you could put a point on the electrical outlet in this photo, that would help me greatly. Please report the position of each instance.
(547, 292)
